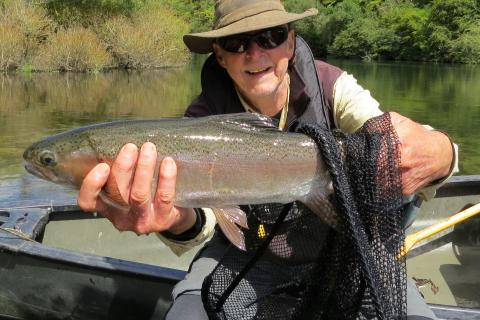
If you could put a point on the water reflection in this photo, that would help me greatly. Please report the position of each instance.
(42, 104)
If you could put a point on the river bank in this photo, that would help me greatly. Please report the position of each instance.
(34, 37)
(98, 35)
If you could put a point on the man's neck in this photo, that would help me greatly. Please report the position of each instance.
(272, 104)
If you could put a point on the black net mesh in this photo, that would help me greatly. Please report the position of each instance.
(297, 267)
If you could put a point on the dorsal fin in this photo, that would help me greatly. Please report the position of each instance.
(248, 121)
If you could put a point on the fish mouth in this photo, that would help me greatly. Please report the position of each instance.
(40, 172)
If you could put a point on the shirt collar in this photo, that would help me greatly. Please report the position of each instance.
(298, 98)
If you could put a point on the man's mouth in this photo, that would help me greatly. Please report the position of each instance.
(258, 71)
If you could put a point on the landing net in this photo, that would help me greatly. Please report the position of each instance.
(298, 267)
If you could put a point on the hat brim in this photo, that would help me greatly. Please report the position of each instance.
(202, 42)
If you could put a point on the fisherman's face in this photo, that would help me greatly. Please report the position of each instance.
(257, 72)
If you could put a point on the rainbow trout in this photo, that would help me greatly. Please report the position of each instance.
(223, 161)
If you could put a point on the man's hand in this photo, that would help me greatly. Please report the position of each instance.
(426, 155)
(130, 180)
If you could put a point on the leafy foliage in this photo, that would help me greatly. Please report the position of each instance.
(405, 22)
(422, 30)
(151, 38)
(466, 48)
(88, 12)
(438, 30)
(11, 46)
(89, 35)
(448, 21)
(22, 29)
(363, 38)
(199, 13)
(74, 49)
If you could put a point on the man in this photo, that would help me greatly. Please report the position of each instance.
(258, 66)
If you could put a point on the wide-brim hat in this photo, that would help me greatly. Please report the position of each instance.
(240, 16)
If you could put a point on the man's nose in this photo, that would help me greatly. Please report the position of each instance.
(254, 50)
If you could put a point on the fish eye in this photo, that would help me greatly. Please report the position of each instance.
(47, 158)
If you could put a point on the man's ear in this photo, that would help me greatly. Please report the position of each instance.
(219, 54)
(291, 43)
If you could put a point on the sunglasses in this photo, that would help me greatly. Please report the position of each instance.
(266, 39)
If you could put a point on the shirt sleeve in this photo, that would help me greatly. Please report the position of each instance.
(353, 106)
(180, 247)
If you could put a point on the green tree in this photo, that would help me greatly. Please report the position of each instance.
(439, 30)
(363, 38)
(314, 29)
(447, 21)
(199, 13)
(466, 48)
(406, 22)
(320, 31)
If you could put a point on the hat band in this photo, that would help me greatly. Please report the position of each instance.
(247, 11)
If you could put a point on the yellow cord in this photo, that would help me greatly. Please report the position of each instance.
(261, 233)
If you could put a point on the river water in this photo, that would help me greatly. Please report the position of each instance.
(36, 105)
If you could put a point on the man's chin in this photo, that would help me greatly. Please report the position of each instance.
(262, 91)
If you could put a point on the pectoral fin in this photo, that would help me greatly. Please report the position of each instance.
(320, 204)
(229, 220)
(111, 194)
(324, 209)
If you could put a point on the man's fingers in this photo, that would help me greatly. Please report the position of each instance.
(167, 179)
(141, 192)
(141, 215)
(92, 185)
(123, 168)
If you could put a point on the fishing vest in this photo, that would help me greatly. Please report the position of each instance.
(221, 97)
(308, 105)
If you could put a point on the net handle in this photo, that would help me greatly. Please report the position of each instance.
(427, 232)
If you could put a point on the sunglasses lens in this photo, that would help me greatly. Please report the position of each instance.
(268, 39)
(236, 43)
(272, 38)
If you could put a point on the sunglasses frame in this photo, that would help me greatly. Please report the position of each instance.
(249, 38)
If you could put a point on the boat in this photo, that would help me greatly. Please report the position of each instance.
(57, 262)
